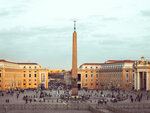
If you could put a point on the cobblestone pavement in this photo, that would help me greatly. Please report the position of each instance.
(94, 95)
(55, 97)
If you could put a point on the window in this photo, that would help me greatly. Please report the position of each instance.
(91, 80)
(96, 75)
(35, 84)
(96, 83)
(0, 80)
(133, 75)
(91, 84)
(91, 75)
(127, 76)
(29, 66)
(24, 80)
(42, 77)
(29, 79)
(24, 75)
(29, 75)
(35, 67)
(24, 66)
(29, 83)
(85, 67)
(0, 75)
(86, 80)
(91, 67)
(127, 81)
(34, 75)
(24, 84)
(86, 75)
(35, 80)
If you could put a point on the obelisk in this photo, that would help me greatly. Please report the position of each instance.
(74, 63)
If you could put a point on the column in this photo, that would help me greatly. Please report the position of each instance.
(142, 84)
(138, 81)
(147, 81)
(135, 81)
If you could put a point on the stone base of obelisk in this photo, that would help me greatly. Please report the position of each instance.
(74, 97)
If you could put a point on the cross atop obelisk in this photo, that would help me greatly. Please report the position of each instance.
(74, 63)
(74, 25)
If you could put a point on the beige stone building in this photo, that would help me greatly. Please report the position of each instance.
(89, 75)
(117, 74)
(22, 75)
(122, 74)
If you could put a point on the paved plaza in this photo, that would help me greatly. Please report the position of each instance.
(48, 111)
(54, 96)
(99, 99)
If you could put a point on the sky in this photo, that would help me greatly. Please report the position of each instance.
(41, 31)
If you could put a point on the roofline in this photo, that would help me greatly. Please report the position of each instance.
(92, 63)
(2, 60)
(112, 62)
(27, 63)
(121, 61)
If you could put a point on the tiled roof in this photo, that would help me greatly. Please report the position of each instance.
(27, 63)
(110, 62)
(92, 63)
(118, 61)
(2, 60)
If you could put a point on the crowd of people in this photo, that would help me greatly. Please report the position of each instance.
(59, 92)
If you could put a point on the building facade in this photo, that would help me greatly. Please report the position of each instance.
(117, 74)
(22, 75)
(89, 75)
(121, 74)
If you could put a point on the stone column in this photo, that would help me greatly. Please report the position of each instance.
(135, 81)
(138, 81)
(147, 81)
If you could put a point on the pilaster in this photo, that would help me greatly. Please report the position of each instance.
(147, 81)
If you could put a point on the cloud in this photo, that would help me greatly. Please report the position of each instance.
(37, 44)
(21, 32)
(42, 30)
(145, 13)
(109, 19)
(13, 8)
(12, 11)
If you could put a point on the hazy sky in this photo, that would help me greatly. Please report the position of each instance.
(41, 31)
